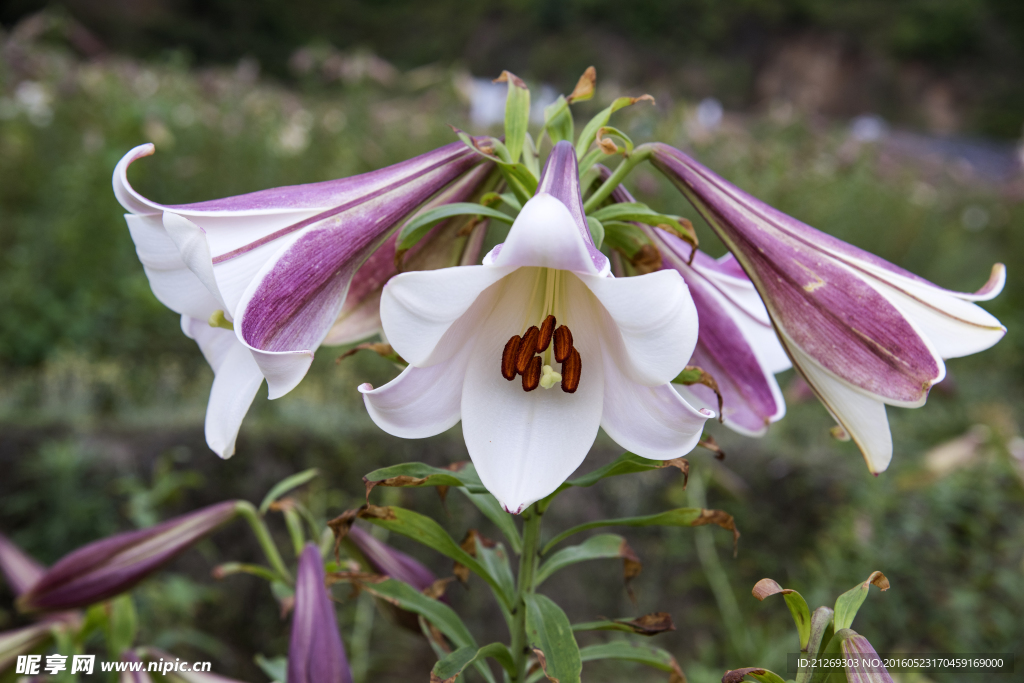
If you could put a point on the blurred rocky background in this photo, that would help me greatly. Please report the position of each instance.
(893, 125)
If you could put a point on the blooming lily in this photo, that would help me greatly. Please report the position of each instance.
(315, 653)
(260, 279)
(736, 343)
(113, 565)
(863, 332)
(544, 297)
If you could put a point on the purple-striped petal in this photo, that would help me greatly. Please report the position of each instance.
(735, 342)
(136, 670)
(315, 653)
(440, 248)
(852, 322)
(394, 563)
(863, 665)
(20, 570)
(113, 565)
(21, 641)
(553, 234)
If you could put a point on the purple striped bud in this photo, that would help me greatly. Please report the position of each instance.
(20, 570)
(135, 671)
(863, 663)
(113, 565)
(22, 640)
(315, 654)
(384, 559)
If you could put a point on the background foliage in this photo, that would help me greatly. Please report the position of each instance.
(102, 398)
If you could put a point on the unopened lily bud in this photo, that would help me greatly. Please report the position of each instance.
(139, 676)
(384, 559)
(315, 653)
(863, 665)
(111, 566)
(20, 570)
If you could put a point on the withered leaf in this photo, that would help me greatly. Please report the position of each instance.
(584, 89)
(722, 519)
(712, 445)
(437, 589)
(650, 624)
(692, 374)
(766, 587)
(543, 662)
(380, 348)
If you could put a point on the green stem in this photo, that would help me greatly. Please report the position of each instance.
(259, 528)
(726, 599)
(641, 153)
(525, 586)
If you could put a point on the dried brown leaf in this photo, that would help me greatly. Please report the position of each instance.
(585, 87)
(507, 76)
(543, 662)
(878, 578)
(736, 675)
(722, 519)
(712, 445)
(650, 624)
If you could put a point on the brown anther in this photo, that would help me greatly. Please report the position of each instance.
(563, 343)
(509, 357)
(547, 328)
(527, 349)
(531, 378)
(572, 368)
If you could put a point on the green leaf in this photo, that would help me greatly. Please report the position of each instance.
(276, 668)
(601, 120)
(602, 546)
(414, 230)
(439, 614)
(678, 517)
(849, 602)
(492, 509)
(122, 625)
(596, 231)
(796, 603)
(496, 561)
(628, 238)
(416, 474)
(425, 530)
(647, 625)
(610, 131)
(285, 485)
(518, 176)
(643, 654)
(517, 113)
(531, 157)
(627, 463)
(449, 668)
(548, 630)
(821, 623)
(558, 120)
(641, 213)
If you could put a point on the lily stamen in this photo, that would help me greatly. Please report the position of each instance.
(527, 349)
(572, 368)
(509, 358)
(563, 343)
(547, 328)
(531, 378)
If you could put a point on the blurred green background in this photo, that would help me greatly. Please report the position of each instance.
(102, 398)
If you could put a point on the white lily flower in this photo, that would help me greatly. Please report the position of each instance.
(469, 332)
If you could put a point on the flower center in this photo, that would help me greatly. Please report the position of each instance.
(521, 357)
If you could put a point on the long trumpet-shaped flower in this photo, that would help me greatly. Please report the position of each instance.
(736, 343)
(543, 298)
(863, 332)
(315, 653)
(260, 279)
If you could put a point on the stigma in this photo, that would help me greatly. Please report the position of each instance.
(522, 356)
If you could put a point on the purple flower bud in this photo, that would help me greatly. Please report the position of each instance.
(384, 559)
(315, 654)
(857, 651)
(113, 565)
(22, 640)
(137, 676)
(20, 570)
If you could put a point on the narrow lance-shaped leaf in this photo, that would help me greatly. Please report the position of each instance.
(549, 634)
(601, 120)
(849, 602)
(602, 546)
(796, 603)
(114, 565)
(648, 625)
(691, 517)
(448, 669)
(285, 485)
(821, 630)
(517, 113)
(654, 657)
(627, 463)
(415, 229)
(437, 613)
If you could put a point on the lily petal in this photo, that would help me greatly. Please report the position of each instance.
(654, 422)
(652, 342)
(420, 402)
(524, 445)
(237, 378)
(315, 651)
(546, 234)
